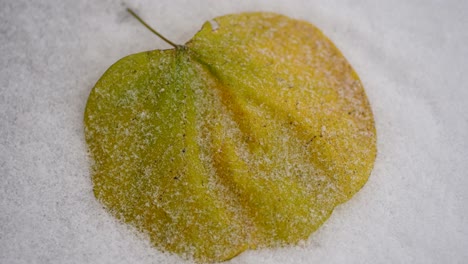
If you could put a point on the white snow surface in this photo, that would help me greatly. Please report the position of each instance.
(411, 57)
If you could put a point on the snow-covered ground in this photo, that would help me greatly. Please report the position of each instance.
(411, 56)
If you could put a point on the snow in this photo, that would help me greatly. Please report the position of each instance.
(410, 55)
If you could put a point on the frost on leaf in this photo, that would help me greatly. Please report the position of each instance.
(246, 138)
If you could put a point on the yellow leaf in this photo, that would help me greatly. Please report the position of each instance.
(246, 137)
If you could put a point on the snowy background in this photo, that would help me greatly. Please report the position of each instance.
(412, 57)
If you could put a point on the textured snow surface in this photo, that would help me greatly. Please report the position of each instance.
(410, 55)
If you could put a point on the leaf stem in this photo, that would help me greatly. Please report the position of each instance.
(152, 30)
